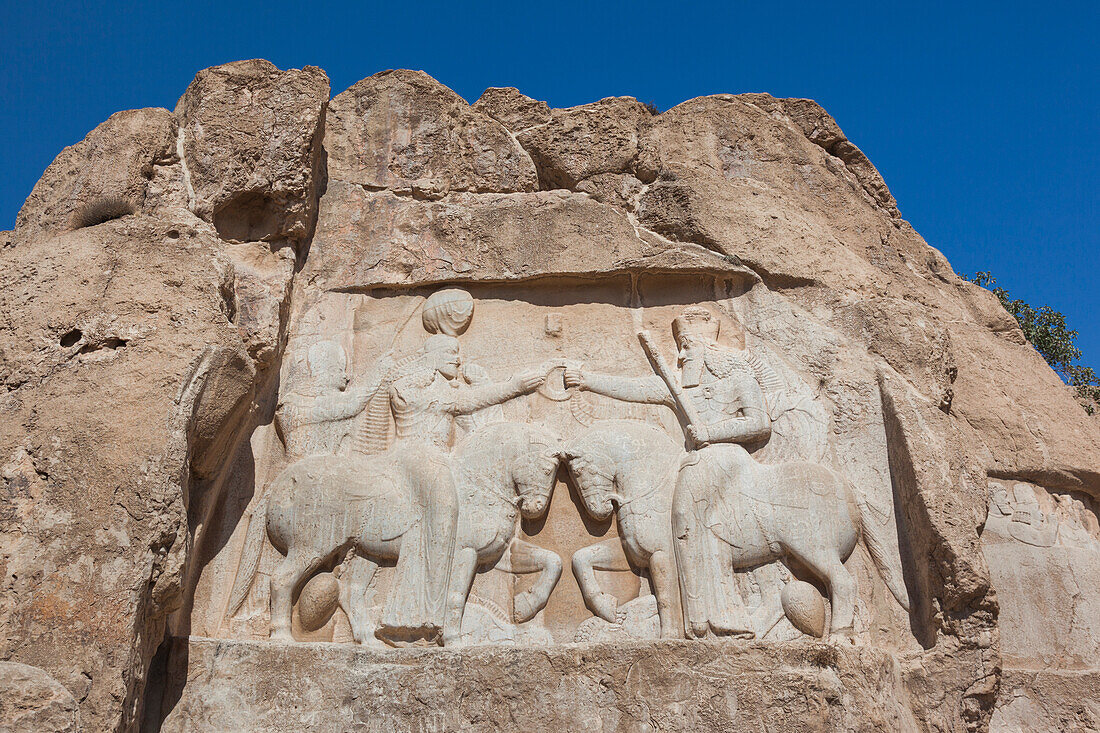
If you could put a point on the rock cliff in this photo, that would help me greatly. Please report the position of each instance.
(169, 274)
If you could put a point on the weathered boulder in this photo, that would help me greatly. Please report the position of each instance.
(405, 131)
(33, 702)
(580, 142)
(114, 163)
(250, 141)
(512, 108)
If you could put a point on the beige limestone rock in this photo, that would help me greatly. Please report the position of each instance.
(676, 686)
(1051, 700)
(512, 108)
(33, 702)
(251, 143)
(404, 130)
(821, 129)
(581, 142)
(147, 362)
(115, 161)
(369, 239)
(123, 375)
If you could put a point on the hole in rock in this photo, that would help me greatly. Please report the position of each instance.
(71, 338)
(111, 342)
(248, 217)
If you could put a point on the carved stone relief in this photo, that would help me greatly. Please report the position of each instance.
(1043, 551)
(439, 457)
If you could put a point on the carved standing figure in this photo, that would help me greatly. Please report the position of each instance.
(316, 414)
(729, 403)
(729, 511)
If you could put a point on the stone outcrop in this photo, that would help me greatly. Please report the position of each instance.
(32, 701)
(131, 354)
(115, 161)
(405, 131)
(164, 362)
(250, 137)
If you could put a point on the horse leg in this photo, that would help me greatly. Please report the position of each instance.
(356, 595)
(294, 567)
(826, 564)
(606, 555)
(662, 571)
(463, 569)
(686, 532)
(527, 558)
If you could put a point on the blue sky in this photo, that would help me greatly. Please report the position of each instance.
(981, 116)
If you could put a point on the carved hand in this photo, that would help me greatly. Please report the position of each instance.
(698, 434)
(530, 380)
(574, 377)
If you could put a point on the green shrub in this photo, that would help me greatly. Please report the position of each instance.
(1046, 330)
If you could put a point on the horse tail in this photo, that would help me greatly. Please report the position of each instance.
(250, 558)
(887, 562)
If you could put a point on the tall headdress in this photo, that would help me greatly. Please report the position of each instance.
(448, 311)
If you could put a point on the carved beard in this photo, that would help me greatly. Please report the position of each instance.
(691, 361)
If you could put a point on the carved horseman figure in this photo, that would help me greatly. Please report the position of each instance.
(426, 396)
(425, 406)
(724, 389)
(316, 415)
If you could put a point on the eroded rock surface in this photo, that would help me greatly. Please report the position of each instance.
(218, 409)
(33, 702)
(251, 143)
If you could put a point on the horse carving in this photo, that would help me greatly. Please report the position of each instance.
(323, 506)
(793, 511)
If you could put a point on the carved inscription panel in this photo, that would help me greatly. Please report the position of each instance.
(538, 464)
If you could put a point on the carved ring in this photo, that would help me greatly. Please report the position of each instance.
(553, 387)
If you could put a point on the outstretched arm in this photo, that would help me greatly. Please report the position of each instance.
(648, 390)
(486, 395)
(337, 405)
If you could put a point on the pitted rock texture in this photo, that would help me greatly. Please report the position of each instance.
(250, 135)
(405, 131)
(33, 702)
(674, 686)
(114, 161)
(141, 359)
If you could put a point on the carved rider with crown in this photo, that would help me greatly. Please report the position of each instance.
(724, 388)
(427, 395)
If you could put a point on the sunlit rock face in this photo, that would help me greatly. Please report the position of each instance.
(393, 411)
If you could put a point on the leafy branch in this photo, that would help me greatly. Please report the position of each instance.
(1046, 330)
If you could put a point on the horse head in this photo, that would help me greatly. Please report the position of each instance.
(534, 471)
(593, 473)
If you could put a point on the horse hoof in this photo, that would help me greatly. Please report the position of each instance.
(282, 635)
(605, 606)
(524, 608)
